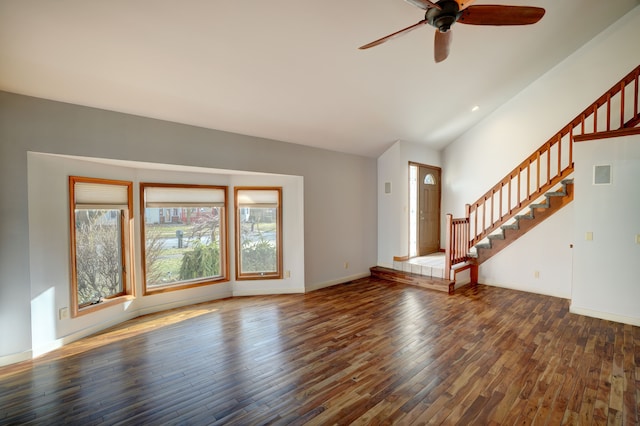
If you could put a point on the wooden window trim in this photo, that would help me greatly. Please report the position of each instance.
(267, 275)
(224, 241)
(113, 301)
(128, 279)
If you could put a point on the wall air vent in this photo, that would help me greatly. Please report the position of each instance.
(602, 175)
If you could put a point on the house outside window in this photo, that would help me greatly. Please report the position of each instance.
(190, 248)
(258, 233)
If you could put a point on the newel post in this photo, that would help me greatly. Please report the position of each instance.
(447, 247)
(467, 237)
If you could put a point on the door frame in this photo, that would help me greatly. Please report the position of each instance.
(409, 192)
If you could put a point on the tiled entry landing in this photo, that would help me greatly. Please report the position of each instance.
(430, 266)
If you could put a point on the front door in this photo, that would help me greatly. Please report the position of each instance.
(428, 211)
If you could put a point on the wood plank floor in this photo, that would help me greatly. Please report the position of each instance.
(367, 352)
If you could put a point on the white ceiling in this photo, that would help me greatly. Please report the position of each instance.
(285, 69)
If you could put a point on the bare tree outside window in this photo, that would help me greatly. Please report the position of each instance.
(98, 255)
(101, 224)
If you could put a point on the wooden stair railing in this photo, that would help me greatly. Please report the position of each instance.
(456, 250)
(618, 108)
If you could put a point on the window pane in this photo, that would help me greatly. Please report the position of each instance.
(429, 179)
(258, 228)
(98, 254)
(182, 244)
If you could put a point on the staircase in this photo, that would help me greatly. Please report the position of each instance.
(486, 228)
(538, 212)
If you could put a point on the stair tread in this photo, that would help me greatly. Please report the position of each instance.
(525, 216)
(513, 226)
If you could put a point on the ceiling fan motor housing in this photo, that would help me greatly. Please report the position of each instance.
(444, 18)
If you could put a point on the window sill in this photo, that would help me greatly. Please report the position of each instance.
(102, 305)
(183, 286)
(264, 276)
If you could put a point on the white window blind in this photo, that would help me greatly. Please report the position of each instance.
(100, 196)
(156, 196)
(258, 197)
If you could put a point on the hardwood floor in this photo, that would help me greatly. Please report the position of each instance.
(367, 352)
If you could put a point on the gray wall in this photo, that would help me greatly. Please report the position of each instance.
(339, 189)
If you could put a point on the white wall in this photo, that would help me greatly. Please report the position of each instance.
(338, 191)
(515, 267)
(481, 157)
(390, 206)
(393, 209)
(606, 283)
(292, 236)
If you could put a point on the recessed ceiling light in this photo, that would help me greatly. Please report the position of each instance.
(475, 108)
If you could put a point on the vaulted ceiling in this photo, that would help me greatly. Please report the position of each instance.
(286, 69)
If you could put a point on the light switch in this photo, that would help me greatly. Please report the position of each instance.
(589, 236)
(387, 187)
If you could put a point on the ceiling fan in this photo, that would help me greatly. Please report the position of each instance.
(444, 13)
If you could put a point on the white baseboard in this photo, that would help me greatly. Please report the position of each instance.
(180, 303)
(72, 337)
(526, 288)
(15, 358)
(126, 316)
(604, 315)
(318, 286)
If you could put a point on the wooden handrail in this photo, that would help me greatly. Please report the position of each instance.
(606, 135)
(546, 167)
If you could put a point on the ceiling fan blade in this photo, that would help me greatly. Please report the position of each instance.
(441, 45)
(396, 34)
(463, 4)
(501, 15)
(424, 4)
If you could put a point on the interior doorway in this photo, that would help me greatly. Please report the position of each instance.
(424, 209)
